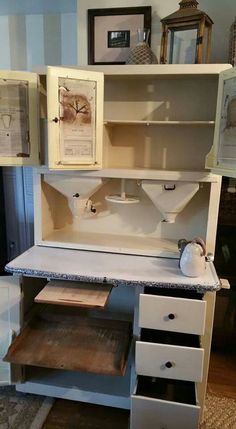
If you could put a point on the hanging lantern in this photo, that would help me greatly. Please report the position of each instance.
(186, 35)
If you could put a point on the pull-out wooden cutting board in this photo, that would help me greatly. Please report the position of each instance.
(74, 294)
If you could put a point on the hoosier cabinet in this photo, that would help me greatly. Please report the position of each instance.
(131, 158)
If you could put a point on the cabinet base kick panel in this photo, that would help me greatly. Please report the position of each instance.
(113, 391)
(73, 342)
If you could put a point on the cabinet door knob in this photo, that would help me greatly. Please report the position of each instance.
(171, 316)
(56, 120)
(168, 364)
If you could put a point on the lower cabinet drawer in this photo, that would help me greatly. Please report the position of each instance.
(164, 404)
(172, 314)
(168, 361)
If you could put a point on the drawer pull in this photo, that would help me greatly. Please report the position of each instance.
(168, 364)
(171, 316)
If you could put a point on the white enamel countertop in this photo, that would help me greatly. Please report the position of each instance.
(102, 267)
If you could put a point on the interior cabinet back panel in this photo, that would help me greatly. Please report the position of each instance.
(157, 146)
(160, 98)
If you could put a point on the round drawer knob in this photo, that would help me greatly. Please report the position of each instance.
(168, 364)
(56, 120)
(171, 316)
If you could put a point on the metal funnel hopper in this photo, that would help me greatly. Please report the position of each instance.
(77, 190)
(169, 198)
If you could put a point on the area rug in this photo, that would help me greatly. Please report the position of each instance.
(220, 412)
(22, 410)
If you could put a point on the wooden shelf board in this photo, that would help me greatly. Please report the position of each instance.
(74, 294)
(166, 123)
(74, 342)
(159, 70)
(144, 173)
(115, 243)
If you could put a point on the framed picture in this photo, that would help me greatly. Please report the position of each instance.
(113, 32)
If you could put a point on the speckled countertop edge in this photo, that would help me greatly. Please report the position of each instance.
(115, 282)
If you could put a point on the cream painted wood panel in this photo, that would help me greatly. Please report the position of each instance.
(168, 361)
(55, 138)
(9, 321)
(222, 157)
(172, 314)
(11, 113)
(149, 413)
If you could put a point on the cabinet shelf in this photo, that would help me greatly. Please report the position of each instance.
(145, 173)
(116, 243)
(147, 123)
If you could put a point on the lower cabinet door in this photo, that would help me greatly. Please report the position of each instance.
(163, 404)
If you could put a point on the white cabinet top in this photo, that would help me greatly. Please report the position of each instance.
(116, 269)
(150, 69)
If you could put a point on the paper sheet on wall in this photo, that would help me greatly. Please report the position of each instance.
(14, 121)
(77, 100)
(227, 144)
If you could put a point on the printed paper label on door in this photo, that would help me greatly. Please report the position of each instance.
(14, 120)
(227, 144)
(77, 99)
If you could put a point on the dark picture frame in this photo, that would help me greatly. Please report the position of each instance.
(113, 32)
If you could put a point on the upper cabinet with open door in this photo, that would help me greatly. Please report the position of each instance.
(222, 157)
(19, 119)
(75, 119)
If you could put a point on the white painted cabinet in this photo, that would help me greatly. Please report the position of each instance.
(151, 113)
(132, 183)
(153, 187)
(162, 380)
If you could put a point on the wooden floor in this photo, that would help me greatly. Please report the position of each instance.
(222, 373)
(75, 415)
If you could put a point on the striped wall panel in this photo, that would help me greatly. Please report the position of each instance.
(28, 41)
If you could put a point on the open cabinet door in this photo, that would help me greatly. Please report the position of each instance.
(222, 157)
(10, 295)
(75, 119)
(19, 118)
